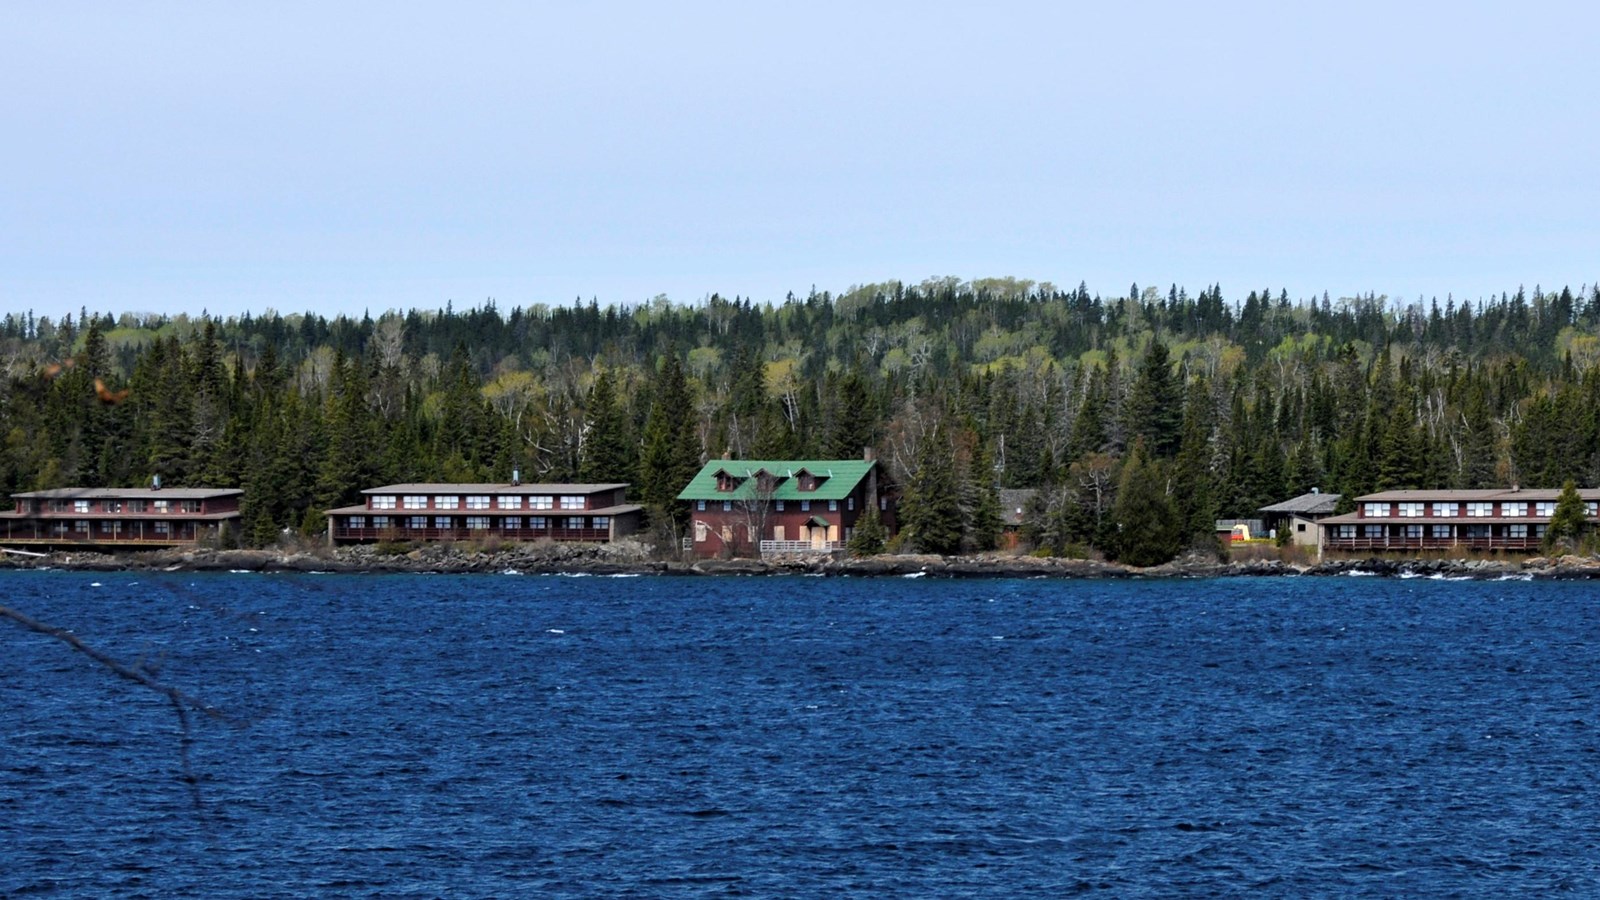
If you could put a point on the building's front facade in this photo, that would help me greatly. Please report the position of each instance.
(148, 517)
(468, 512)
(746, 507)
(1300, 517)
(1509, 519)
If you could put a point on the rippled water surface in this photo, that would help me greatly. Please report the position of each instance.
(513, 736)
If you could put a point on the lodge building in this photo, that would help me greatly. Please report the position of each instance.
(1499, 519)
(745, 507)
(148, 517)
(464, 512)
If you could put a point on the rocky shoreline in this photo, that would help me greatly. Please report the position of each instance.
(634, 558)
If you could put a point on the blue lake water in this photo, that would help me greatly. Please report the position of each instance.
(422, 736)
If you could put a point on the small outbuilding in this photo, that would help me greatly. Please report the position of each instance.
(1300, 516)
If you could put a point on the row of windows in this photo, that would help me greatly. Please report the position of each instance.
(1544, 509)
(805, 505)
(477, 501)
(1439, 531)
(479, 523)
(130, 506)
(83, 526)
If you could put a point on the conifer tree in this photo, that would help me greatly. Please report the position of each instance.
(606, 457)
(1568, 521)
(930, 513)
(1148, 532)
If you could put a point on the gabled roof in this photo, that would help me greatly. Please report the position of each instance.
(1312, 504)
(836, 479)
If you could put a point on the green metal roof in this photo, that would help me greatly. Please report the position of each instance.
(836, 478)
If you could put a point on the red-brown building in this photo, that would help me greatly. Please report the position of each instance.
(150, 516)
(1498, 519)
(745, 507)
(464, 512)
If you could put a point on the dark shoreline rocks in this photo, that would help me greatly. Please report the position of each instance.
(634, 558)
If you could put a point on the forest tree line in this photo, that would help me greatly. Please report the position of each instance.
(1139, 418)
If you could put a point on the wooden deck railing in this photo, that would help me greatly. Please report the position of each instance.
(341, 533)
(1432, 543)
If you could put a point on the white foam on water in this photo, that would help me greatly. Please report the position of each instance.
(914, 575)
(554, 631)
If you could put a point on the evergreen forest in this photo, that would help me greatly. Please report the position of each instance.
(1139, 419)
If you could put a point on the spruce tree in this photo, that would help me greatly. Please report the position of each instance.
(930, 514)
(1148, 532)
(606, 457)
(1568, 521)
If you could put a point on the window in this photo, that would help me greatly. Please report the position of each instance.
(1347, 531)
(1414, 531)
(1411, 510)
(383, 501)
(477, 523)
(1517, 531)
(136, 506)
(605, 522)
(110, 527)
(477, 501)
(883, 503)
(851, 503)
(538, 523)
(1514, 509)
(833, 506)
(83, 526)
(380, 521)
(1480, 509)
(1300, 527)
(1441, 531)
(162, 506)
(727, 506)
(58, 506)
(415, 501)
(511, 523)
(699, 532)
(163, 528)
(1445, 510)
(1539, 530)
(417, 523)
(571, 502)
(189, 506)
(1372, 531)
(550, 503)
(447, 502)
(1591, 508)
(443, 522)
(1544, 509)
(750, 534)
(357, 522)
(81, 506)
(113, 506)
(805, 506)
(1376, 509)
(509, 501)
(1477, 531)
(700, 506)
(780, 506)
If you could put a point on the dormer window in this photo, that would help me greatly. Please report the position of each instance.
(726, 482)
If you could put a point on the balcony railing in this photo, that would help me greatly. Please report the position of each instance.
(1432, 543)
(781, 548)
(341, 533)
(127, 536)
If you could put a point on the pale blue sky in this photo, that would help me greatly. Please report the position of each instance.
(227, 156)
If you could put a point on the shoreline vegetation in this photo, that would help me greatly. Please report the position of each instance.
(637, 558)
